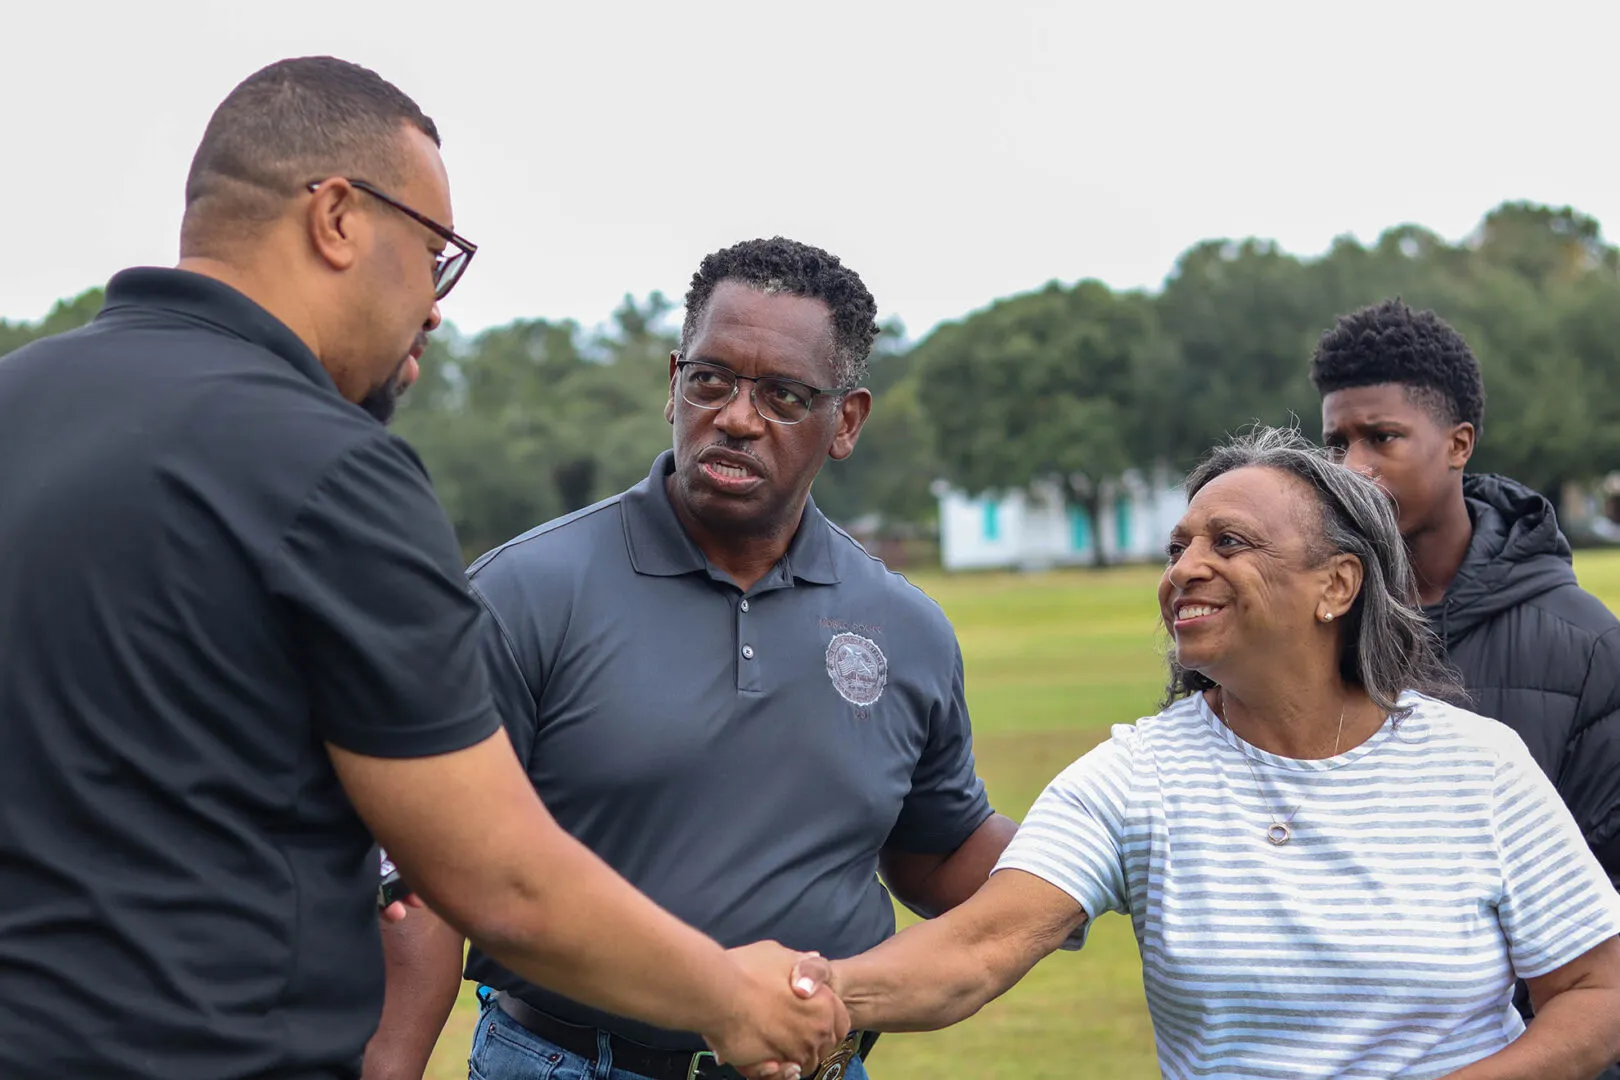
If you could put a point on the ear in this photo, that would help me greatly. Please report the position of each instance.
(1345, 575)
(853, 410)
(334, 224)
(1460, 445)
(669, 406)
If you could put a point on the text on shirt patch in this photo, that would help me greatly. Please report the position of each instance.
(857, 667)
(849, 627)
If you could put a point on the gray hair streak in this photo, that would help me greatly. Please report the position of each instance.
(1388, 647)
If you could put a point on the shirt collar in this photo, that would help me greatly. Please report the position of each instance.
(660, 547)
(205, 300)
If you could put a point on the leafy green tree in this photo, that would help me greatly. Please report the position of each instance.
(64, 315)
(1042, 386)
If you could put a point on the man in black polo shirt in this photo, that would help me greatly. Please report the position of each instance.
(236, 643)
(719, 691)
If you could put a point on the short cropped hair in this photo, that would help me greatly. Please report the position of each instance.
(290, 124)
(1391, 343)
(785, 266)
(1389, 647)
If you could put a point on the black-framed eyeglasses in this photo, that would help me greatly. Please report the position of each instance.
(448, 266)
(779, 400)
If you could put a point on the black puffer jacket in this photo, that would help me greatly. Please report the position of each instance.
(1538, 652)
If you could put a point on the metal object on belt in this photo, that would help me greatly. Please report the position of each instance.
(835, 1064)
(832, 1067)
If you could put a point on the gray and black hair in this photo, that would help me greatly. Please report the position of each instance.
(286, 125)
(780, 265)
(1388, 647)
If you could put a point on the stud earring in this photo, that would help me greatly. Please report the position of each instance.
(1327, 617)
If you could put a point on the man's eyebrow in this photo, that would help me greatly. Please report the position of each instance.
(1375, 420)
(768, 375)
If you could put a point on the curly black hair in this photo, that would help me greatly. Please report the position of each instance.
(1391, 343)
(786, 266)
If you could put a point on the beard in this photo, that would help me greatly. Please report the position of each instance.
(384, 397)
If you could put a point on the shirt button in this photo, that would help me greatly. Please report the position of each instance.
(748, 652)
(745, 603)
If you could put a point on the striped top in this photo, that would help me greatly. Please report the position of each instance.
(1426, 867)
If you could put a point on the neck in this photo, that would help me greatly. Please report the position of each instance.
(260, 288)
(1437, 552)
(1298, 718)
(744, 556)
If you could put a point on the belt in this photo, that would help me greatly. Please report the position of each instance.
(654, 1063)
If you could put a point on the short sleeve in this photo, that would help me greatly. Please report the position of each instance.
(516, 700)
(1556, 902)
(370, 576)
(947, 800)
(1071, 837)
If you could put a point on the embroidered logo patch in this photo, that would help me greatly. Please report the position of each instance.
(857, 667)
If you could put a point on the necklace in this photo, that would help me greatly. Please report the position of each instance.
(1278, 833)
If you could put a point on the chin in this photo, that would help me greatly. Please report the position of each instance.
(1196, 660)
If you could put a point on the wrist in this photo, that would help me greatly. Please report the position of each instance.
(844, 982)
(729, 1008)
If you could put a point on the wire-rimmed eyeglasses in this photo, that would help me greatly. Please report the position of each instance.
(779, 400)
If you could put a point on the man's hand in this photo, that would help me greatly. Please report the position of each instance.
(777, 1030)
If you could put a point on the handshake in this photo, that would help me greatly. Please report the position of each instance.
(789, 1020)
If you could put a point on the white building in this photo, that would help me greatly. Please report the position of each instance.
(1041, 527)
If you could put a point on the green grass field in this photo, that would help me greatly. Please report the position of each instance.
(1052, 660)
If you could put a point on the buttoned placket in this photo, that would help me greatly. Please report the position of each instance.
(745, 624)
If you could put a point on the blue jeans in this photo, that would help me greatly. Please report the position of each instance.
(503, 1049)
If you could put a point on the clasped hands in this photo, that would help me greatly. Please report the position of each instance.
(788, 1019)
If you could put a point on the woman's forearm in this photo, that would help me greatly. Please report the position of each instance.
(1574, 1036)
(942, 971)
(919, 980)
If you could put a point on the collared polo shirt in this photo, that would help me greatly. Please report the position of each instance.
(211, 566)
(740, 757)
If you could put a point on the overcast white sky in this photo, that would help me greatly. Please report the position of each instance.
(950, 152)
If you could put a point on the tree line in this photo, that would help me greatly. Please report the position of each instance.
(1077, 383)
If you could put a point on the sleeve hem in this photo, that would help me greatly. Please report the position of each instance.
(941, 841)
(1571, 948)
(446, 738)
(1092, 906)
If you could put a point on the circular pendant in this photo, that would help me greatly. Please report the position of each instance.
(1278, 834)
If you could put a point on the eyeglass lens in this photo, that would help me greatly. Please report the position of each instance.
(778, 400)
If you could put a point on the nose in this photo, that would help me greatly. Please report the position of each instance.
(738, 417)
(433, 319)
(1192, 566)
(1359, 457)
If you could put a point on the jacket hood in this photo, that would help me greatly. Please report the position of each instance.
(1517, 554)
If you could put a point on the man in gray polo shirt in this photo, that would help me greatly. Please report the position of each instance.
(718, 691)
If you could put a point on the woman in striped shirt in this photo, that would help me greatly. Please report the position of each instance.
(1331, 871)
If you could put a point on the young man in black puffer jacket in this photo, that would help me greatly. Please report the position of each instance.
(1403, 399)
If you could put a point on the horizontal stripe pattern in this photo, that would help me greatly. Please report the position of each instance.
(1426, 867)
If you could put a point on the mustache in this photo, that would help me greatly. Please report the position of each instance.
(734, 445)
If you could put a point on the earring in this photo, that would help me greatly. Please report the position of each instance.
(1327, 616)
